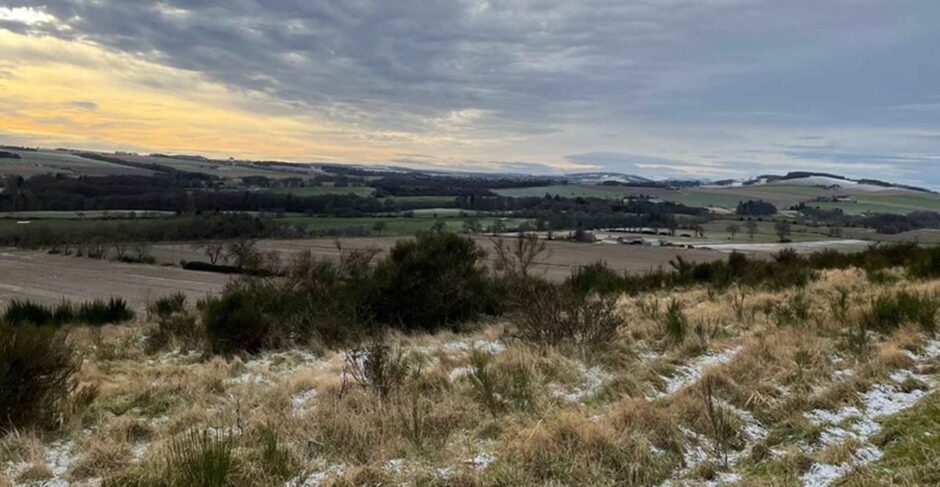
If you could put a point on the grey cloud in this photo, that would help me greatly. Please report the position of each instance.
(526, 70)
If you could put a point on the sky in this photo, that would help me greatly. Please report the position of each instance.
(660, 88)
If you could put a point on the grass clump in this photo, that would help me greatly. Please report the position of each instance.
(379, 366)
(201, 458)
(37, 368)
(571, 450)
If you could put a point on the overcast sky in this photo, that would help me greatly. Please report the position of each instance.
(693, 88)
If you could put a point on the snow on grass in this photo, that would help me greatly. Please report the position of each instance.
(854, 423)
(316, 478)
(592, 378)
(687, 375)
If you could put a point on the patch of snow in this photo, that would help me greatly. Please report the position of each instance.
(395, 465)
(592, 378)
(301, 399)
(849, 422)
(482, 460)
(316, 478)
(687, 375)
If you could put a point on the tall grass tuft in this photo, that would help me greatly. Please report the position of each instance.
(201, 459)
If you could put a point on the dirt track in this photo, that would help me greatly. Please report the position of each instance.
(52, 278)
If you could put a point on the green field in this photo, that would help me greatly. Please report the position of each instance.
(323, 190)
(898, 203)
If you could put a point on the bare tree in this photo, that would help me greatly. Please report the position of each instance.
(214, 250)
(751, 227)
(244, 254)
(782, 229)
(733, 229)
(141, 251)
(517, 258)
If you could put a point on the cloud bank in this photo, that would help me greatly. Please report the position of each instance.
(715, 88)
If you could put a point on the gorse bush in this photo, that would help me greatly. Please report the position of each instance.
(96, 312)
(434, 281)
(889, 311)
(19, 312)
(675, 324)
(36, 371)
(99, 312)
(236, 322)
(596, 277)
(167, 305)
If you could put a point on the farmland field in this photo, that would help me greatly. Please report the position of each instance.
(560, 259)
(51, 278)
(32, 163)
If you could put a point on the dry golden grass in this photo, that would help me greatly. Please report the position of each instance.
(514, 414)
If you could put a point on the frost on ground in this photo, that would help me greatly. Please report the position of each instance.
(853, 423)
(58, 456)
(591, 380)
(316, 478)
(687, 375)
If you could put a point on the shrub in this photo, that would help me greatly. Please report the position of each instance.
(928, 265)
(19, 312)
(794, 311)
(556, 316)
(235, 322)
(434, 281)
(173, 322)
(99, 312)
(596, 277)
(36, 370)
(889, 311)
(167, 305)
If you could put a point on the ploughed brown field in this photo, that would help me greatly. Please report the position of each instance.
(51, 278)
(560, 259)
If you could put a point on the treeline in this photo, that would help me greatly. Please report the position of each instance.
(885, 223)
(424, 185)
(98, 233)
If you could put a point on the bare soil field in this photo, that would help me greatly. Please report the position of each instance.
(560, 259)
(51, 278)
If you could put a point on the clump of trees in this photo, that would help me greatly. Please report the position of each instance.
(755, 208)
